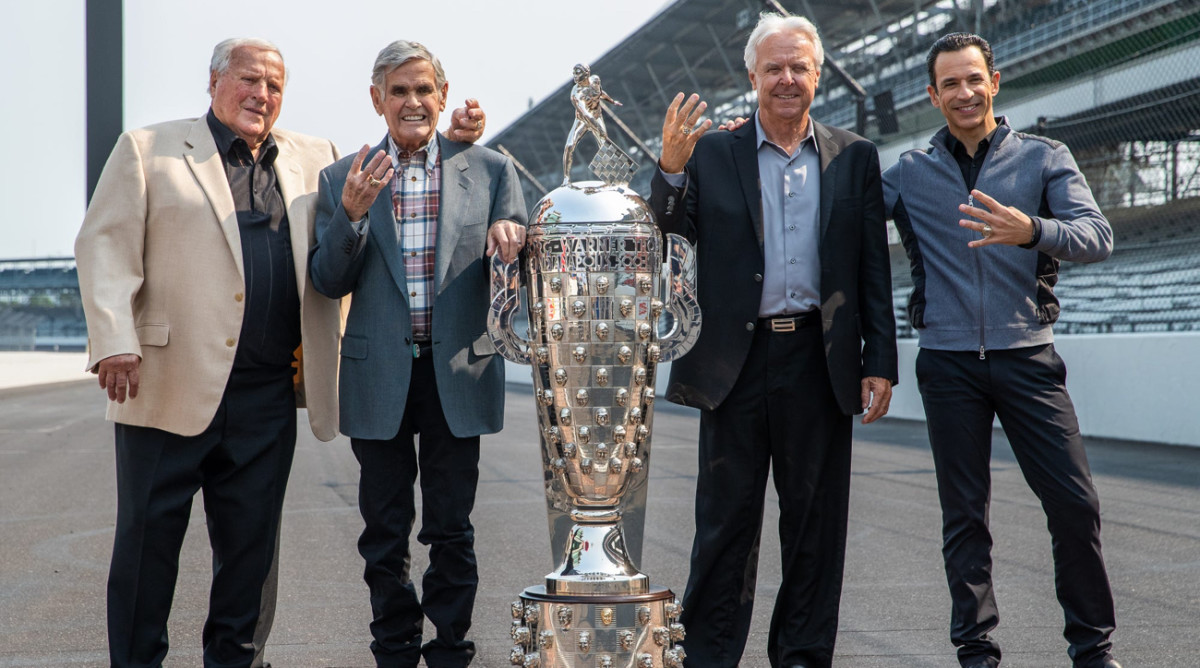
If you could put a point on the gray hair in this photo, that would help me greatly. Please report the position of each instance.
(223, 54)
(399, 52)
(770, 23)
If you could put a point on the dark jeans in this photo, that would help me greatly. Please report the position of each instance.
(449, 472)
(781, 414)
(1026, 388)
(241, 462)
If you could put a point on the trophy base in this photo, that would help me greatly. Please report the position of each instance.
(627, 631)
(596, 563)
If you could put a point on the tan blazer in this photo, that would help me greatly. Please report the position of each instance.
(160, 274)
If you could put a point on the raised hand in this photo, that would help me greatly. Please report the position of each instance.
(1000, 224)
(467, 122)
(680, 132)
(364, 183)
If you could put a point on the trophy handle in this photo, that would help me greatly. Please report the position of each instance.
(506, 299)
(681, 286)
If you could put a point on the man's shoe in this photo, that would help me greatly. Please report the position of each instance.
(1111, 663)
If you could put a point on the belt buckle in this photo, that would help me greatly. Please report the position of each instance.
(783, 324)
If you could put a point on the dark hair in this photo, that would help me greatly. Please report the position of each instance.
(957, 41)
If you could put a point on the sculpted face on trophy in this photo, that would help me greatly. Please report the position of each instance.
(603, 314)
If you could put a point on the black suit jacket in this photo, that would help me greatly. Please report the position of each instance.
(720, 211)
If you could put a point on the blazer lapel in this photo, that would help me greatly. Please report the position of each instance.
(200, 153)
(291, 185)
(745, 162)
(828, 150)
(383, 229)
(456, 187)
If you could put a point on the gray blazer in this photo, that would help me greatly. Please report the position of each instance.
(479, 187)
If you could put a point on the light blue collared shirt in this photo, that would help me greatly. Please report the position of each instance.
(790, 187)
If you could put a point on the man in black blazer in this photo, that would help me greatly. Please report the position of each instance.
(798, 335)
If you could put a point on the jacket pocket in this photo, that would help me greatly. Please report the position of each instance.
(354, 347)
(153, 335)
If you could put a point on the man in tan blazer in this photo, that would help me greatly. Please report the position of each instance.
(193, 271)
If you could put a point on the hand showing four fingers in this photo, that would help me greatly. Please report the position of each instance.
(680, 132)
(999, 224)
(364, 183)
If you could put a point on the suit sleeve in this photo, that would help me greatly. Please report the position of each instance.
(675, 206)
(337, 256)
(109, 253)
(875, 282)
(508, 202)
(1078, 231)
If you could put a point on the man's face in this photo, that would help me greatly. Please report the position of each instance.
(964, 92)
(785, 76)
(410, 102)
(247, 97)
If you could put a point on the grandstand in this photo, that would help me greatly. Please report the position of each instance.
(39, 305)
(1116, 80)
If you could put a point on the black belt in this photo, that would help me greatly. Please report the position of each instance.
(791, 323)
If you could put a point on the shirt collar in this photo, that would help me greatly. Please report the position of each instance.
(227, 140)
(761, 136)
(430, 150)
(953, 145)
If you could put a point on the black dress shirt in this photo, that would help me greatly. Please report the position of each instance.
(271, 320)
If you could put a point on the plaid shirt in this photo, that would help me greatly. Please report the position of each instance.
(416, 188)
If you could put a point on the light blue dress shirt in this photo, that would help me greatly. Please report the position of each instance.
(790, 188)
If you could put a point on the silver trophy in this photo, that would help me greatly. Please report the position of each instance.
(596, 296)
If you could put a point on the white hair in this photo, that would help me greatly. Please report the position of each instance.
(223, 54)
(399, 52)
(770, 23)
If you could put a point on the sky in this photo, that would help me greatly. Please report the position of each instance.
(503, 52)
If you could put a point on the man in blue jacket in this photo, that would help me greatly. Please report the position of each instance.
(404, 229)
(986, 214)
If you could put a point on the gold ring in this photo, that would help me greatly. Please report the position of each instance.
(478, 125)
(375, 183)
(685, 130)
(986, 231)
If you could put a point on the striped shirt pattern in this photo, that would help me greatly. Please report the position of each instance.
(416, 188)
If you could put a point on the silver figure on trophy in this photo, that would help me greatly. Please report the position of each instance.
(596, 294)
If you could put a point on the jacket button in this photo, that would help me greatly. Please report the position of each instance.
(749, 327)
(238, 297)
(229, 343)
(758, 278)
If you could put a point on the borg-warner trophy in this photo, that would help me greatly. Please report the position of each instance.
(596, 292)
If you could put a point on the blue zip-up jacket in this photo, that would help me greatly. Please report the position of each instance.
(997, 296)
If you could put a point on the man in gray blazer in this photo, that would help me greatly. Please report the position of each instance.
(407, 234)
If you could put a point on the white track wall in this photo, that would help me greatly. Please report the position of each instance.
(1140, 387)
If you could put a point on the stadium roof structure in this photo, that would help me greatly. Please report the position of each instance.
(696, 46)
(690, 46)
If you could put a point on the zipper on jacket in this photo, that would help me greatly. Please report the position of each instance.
(979, 276)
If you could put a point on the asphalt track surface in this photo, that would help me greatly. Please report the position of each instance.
(57, 503)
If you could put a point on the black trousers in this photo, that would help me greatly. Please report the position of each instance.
(449, 468)
(781, 414)
(241, 462)
(1026, 389)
